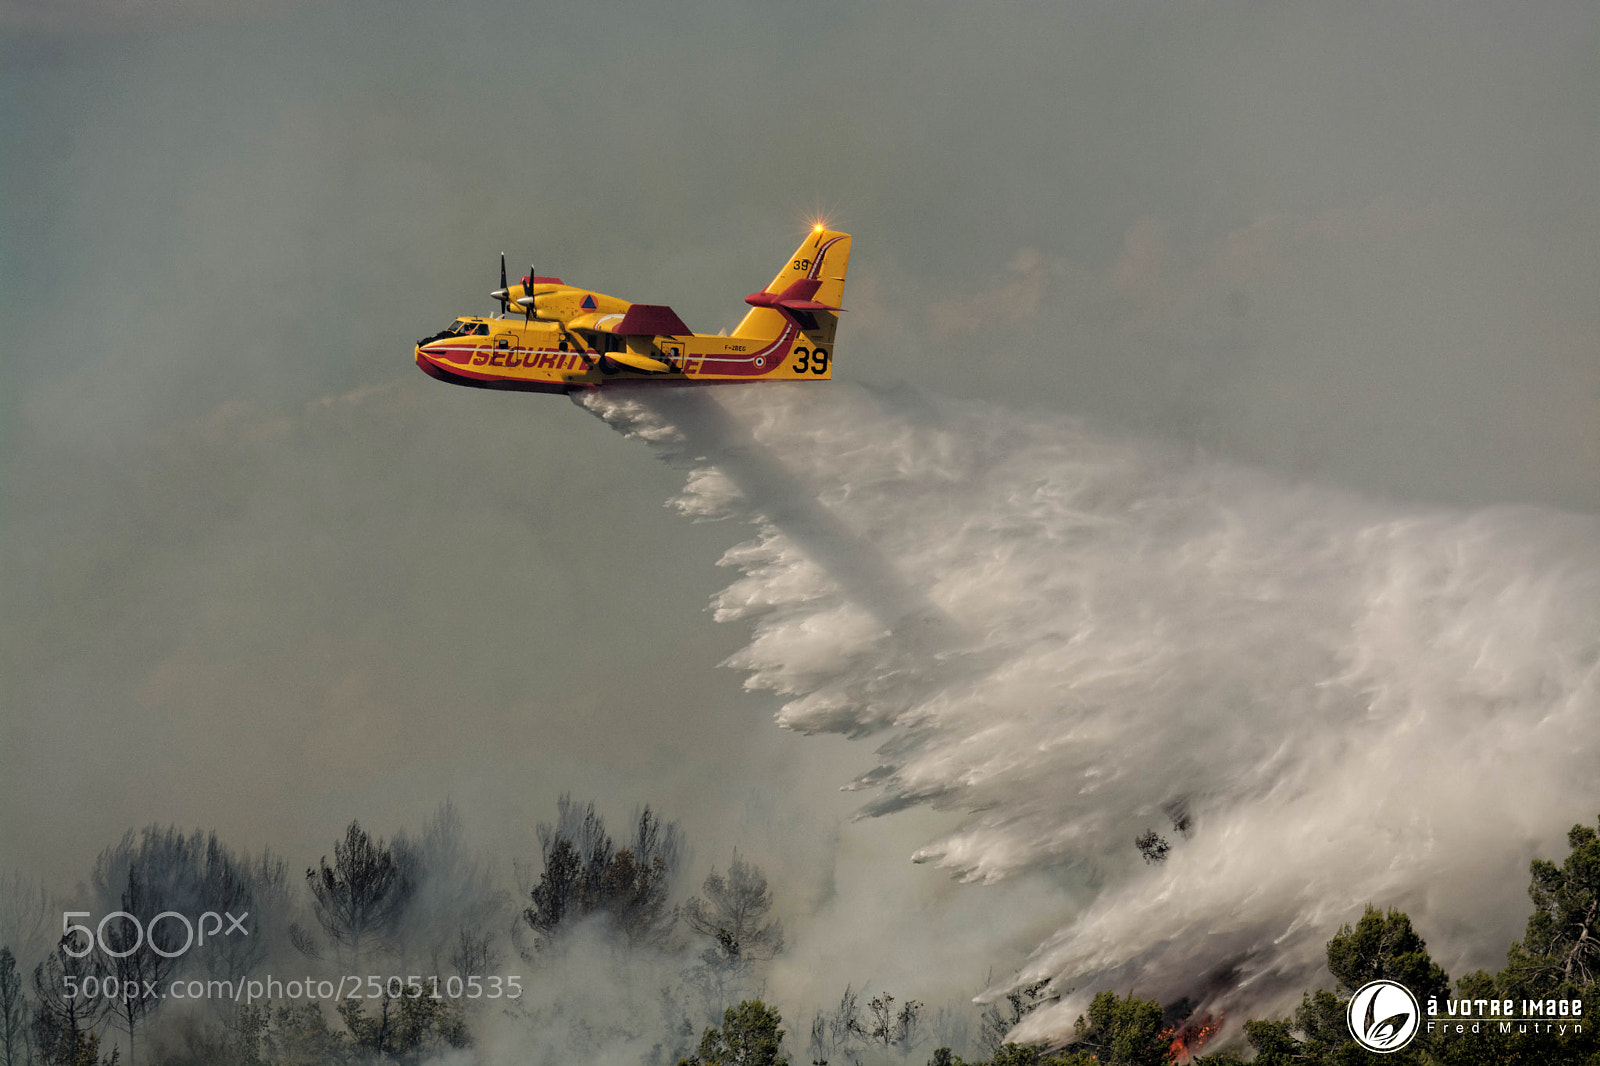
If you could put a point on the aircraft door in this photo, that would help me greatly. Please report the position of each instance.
(502, 350)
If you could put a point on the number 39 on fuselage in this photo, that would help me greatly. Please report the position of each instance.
(568, 338)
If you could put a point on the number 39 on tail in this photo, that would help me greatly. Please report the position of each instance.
(568, 338)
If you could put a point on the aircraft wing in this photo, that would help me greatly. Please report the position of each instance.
(652, 320)
(639, 320)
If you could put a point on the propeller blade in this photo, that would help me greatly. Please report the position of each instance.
(529, 293)
(502, 294)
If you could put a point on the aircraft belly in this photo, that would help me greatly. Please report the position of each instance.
(460, 376)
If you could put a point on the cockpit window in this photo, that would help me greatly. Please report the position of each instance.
(455, 329)
(482, 330)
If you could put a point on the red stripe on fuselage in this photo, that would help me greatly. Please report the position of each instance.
(463, 354)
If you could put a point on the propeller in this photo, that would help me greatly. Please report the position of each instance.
(502, 293)
(527, 302)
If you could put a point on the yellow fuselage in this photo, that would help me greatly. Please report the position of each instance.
(573, 338)
(542, 357)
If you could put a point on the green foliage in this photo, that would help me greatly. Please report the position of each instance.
(1115, 1031)
(1015, 1055)
(1385, 947)
(1561, 948)
(1318, 1034)
(1557, 958)
(1226, 1057)
(1123, 1032)
(1380, 946)
(749, 1037)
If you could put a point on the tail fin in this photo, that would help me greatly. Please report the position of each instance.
(807, 293)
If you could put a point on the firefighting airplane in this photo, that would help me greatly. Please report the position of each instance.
(569, 338)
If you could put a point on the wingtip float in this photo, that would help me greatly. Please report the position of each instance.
(562, 338)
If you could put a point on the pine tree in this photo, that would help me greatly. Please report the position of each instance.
(749, 1037)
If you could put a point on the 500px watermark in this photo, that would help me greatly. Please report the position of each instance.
(254, 990)
(195, 932)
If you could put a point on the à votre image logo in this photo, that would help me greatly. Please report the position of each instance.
(1383, 1016)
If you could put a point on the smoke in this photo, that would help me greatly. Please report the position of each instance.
(1319, 700)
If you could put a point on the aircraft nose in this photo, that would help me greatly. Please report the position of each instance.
(439, 352)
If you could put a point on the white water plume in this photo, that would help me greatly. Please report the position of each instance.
(1321, 701)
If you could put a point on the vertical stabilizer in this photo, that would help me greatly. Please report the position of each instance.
(808, 292)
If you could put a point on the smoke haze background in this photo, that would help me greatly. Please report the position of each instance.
(261, 576)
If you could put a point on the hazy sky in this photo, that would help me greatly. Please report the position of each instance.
(259, 574)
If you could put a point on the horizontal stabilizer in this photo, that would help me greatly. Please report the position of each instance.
(803, 289)
(651, 320)
(797, 297)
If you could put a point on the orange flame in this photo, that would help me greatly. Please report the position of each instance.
(1188, 1040)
